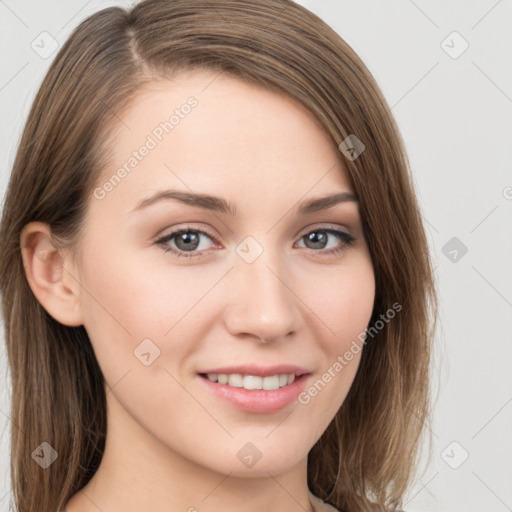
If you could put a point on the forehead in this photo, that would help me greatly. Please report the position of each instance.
(208, 132)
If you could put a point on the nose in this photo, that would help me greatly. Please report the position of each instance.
(263, 303)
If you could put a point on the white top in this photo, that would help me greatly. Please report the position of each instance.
(319, 505)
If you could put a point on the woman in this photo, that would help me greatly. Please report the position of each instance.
(216, 285)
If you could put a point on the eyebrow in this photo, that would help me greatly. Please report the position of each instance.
(218, 204)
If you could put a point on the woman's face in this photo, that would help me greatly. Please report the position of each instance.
(271, 289)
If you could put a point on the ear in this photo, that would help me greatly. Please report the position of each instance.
(50, 274)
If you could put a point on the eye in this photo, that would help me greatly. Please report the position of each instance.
(187, 241)
(319, 239)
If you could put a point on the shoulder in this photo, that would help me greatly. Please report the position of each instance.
(320, 505)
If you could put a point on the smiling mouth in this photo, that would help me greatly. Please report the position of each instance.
(251, 382)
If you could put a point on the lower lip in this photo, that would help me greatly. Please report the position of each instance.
(257, 400)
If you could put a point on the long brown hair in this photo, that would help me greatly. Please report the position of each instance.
(370, 450)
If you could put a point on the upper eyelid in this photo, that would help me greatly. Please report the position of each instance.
(326, 227)
(301, 233)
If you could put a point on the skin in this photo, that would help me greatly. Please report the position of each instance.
(171, 444)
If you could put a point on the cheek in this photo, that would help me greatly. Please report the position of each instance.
(344, 309)
(121, 309)
(135, 300)
(344, 303)
(128, 295)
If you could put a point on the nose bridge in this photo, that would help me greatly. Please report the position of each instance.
(264, 304)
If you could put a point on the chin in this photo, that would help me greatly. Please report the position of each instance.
(261, 457)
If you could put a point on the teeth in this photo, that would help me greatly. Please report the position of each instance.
(235, 380)
(270, 383)
(252, 381)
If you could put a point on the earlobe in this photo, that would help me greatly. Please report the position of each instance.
(46, 270)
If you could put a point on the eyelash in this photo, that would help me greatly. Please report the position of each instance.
(342, 236)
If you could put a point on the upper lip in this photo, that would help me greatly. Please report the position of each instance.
(261, 371)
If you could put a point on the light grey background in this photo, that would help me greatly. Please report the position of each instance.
(455, 115)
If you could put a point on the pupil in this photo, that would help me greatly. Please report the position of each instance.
(190, 240)
(318, 238)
